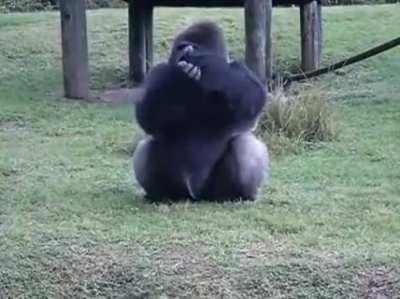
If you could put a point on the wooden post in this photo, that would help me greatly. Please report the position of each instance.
(320, 32)
(310, 36)
(149, 36)
(74, 49)
(137, 41)
(268, 41)
(255, 23)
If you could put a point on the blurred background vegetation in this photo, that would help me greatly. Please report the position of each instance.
(36, 5)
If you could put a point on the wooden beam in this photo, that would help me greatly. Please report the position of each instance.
(219, 3)
(268, 41)
(199, 3)
(137, 41)
(149, 37)
(255, 25)
(74, 49)
(310, 36)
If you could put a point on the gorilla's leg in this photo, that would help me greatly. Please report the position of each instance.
(241, 171)
(152, 173)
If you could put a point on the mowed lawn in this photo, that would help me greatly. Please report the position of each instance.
(73, 223)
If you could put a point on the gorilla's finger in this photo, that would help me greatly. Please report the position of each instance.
(188, 68)
(188, 49)
(182, 64)
(193, 72)
(198, 75)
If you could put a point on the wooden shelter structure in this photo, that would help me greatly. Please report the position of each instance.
(258, 23)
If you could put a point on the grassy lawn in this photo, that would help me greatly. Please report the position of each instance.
(73, 222)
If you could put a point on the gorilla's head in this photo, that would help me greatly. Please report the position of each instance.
(203, 37)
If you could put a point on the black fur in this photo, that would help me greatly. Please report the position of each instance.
(194, 127)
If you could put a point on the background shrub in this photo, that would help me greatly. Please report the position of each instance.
(35, 5)
(300, 118)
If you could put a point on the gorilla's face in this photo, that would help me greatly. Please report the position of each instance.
(181, 50)
(201, 38)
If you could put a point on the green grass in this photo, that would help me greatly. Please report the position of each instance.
(73, 222)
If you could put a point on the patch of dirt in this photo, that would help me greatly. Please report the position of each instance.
(192, 274)
(381, 283)
(13, 127)
(8, 171)
(99, 272)
(123, 95)
(113, 95)
(170, 272)
(75, 268)
(265, 249)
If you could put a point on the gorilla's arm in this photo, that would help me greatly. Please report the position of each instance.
(227, 97)
(169, 100)
(232, 88)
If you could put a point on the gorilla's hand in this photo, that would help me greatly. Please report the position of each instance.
(189, 69)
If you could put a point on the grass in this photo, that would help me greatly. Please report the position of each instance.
(73, 222)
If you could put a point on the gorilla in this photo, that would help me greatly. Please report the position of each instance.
(198, 111)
